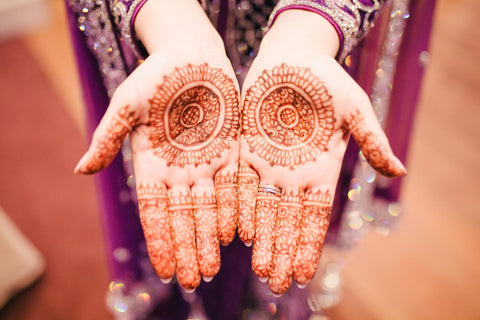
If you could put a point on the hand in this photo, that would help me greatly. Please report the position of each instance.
(181, 109)
(299, 108)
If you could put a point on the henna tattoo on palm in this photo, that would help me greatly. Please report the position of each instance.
(288, 116)
(193, 115)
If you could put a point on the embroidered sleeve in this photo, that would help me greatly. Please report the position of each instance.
(124, 13)
(93, 19)
(351, 18)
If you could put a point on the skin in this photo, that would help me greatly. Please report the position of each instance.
(181, 110)
(299, 109)
(198, 176)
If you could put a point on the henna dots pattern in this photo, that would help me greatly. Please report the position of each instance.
(377, 155)
(193, 115)
(288, 116)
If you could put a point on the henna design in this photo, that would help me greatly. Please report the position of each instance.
(153, 202)
(247, 192)
(183, 234)
(316, 217)
(227, 203)
(288, 116)
(193, 115)
(208, 249)
(286, 242)
(266, 211)
(110, 141)
(377, 155)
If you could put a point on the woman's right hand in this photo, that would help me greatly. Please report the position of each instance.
(181, 110)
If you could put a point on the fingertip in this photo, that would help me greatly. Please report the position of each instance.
(399, 168)
(80, 168)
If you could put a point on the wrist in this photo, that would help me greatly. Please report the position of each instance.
(297, 28)
(179, 25)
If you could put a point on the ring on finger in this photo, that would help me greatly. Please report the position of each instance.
(270, 189)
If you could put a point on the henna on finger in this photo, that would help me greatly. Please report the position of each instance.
(153, 202)
(227, 205)
(193, 115)
(106, 146)
(183, 234)
(376, 153)
(263, 244)
(316, 216)
(287, 231)
(208, 248)
(247, 192)
(288, 116)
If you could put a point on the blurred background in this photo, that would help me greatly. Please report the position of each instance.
(50, 231)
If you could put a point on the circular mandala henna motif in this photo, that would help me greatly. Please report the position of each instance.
(288, 116)
(193, 115)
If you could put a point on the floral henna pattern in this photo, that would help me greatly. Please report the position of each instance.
(266, 211)
(108, 145)
(288, 116)
(153, 202)
(316, 217)
(227, 203)
(183, 234)
(193, 115)
(247, 192)
(208, 250)
(376, 154)
(286, 241)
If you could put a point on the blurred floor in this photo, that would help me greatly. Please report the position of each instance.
(428, 268)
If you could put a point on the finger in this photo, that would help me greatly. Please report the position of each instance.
(371, 139)
(107, 139)
(247, 193)
(226, 191)
(317, 206)
(153, 202)
(183, 234)
(265, 218)
(206, 230)
(287, 231)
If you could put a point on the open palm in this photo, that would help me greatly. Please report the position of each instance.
(296, 121)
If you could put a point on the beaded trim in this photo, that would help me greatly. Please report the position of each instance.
(123, 13)
(93, 20)
(351, 17)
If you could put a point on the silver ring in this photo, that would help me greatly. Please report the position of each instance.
(269, 189)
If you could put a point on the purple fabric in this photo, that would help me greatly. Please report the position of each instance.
(407, 85)
(404, 98)
(119, 220)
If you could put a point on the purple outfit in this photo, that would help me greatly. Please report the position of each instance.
(107, 51)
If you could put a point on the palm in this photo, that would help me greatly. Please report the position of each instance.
(295, 126)
(183, 126)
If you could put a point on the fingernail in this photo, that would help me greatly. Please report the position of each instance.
(166, 281)
(207, 279)
(248, 243)
(80, 167)
(189, 290)
(401, 167)
(301, 286)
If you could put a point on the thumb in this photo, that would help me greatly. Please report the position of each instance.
(367, 132)
(107, 139)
